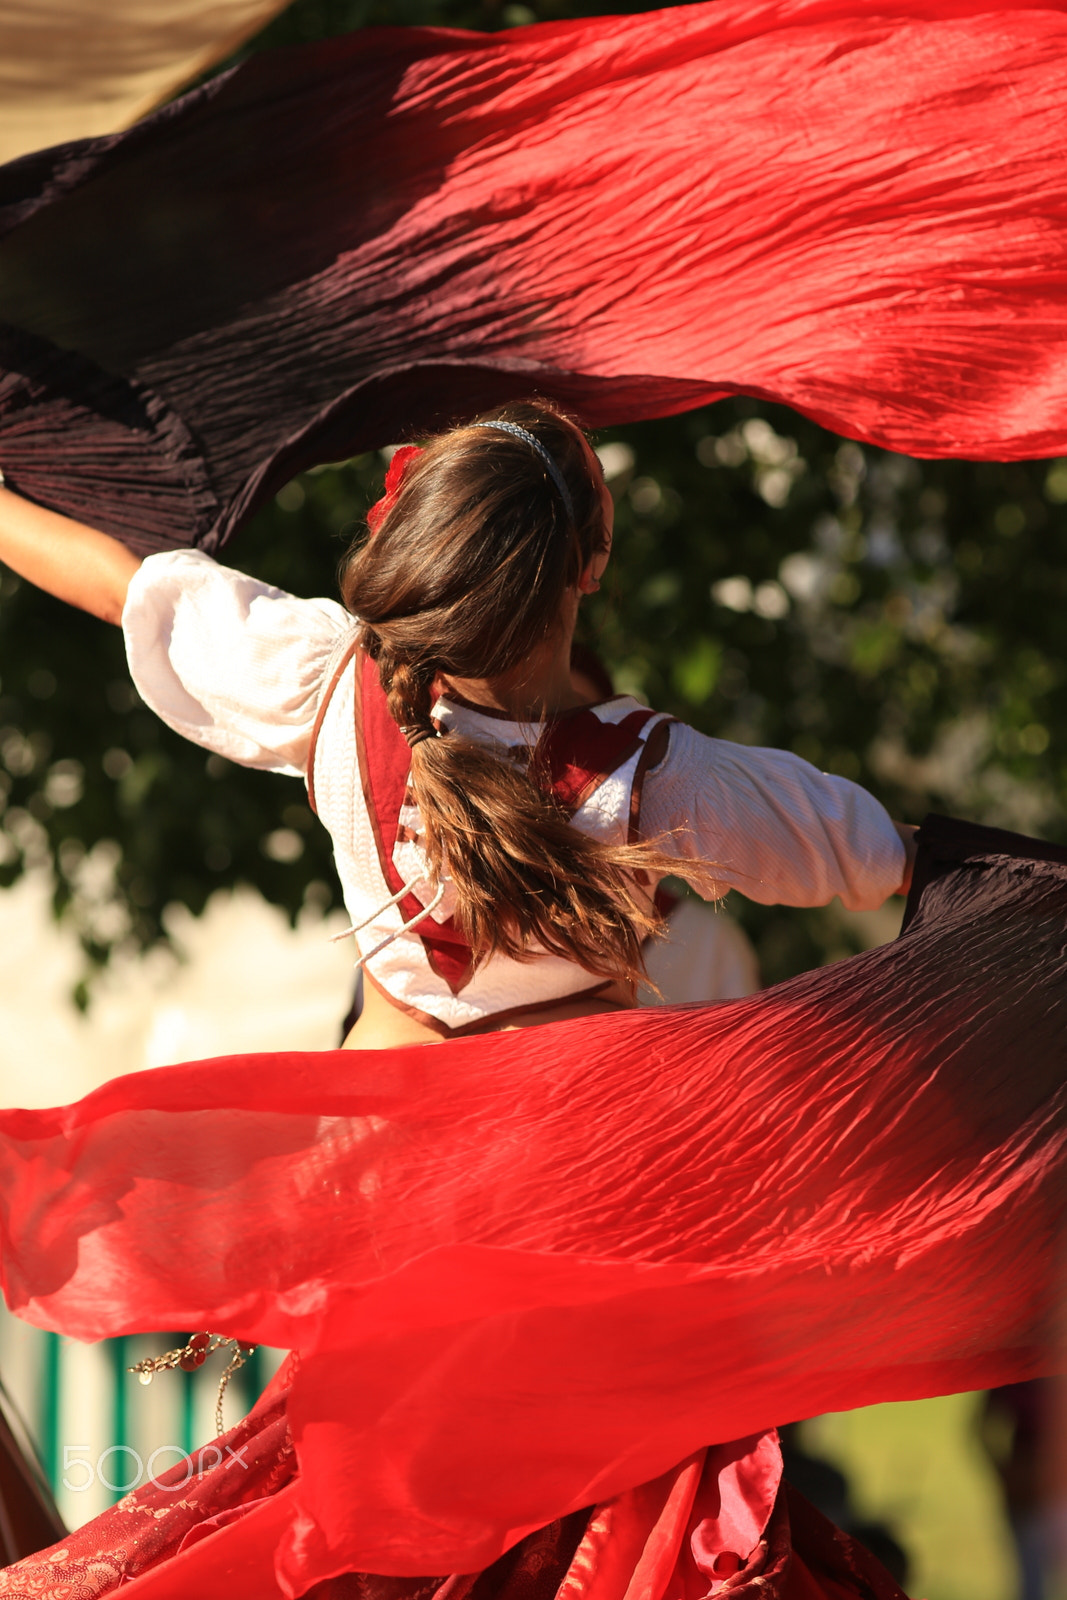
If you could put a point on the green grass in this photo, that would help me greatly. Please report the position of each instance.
(921, 1468)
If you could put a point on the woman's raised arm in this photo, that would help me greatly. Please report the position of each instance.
(907, 833)
(78, 564)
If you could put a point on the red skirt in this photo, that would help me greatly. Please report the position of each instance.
(529, 1271)
(721, 1522)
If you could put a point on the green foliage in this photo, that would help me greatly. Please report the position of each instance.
(895, 621)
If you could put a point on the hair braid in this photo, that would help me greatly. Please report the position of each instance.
(408, 687)
(467, 575)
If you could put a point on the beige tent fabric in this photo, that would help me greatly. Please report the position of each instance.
(73, 68)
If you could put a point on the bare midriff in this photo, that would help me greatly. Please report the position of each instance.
(384, 1026)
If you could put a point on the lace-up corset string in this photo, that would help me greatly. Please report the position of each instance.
(389, 939)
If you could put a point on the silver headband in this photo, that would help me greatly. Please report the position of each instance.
(535, 444)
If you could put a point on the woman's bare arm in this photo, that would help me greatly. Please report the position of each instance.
(78, 564)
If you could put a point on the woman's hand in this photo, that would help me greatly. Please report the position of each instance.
(907, 836)
(81, 565)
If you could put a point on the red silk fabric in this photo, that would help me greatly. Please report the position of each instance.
(860, 210)
(530, 1270)
(206, 1527)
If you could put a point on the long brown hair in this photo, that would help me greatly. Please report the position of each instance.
(466, 575)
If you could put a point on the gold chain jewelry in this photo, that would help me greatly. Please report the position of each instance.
(241, 1352)
(189, 1357)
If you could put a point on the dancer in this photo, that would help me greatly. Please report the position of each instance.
(497, 837)
(492, 831)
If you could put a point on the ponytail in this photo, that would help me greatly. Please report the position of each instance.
(467, 575)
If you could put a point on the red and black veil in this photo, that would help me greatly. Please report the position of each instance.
(859, 210)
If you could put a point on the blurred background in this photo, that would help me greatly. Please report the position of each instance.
(896, 621)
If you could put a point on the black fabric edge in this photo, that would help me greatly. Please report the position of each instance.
(945, 840)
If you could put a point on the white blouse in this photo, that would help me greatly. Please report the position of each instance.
(240, 667)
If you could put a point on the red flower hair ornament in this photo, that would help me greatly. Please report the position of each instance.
(394, 478)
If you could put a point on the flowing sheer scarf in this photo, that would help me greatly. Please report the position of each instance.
(530, 1270)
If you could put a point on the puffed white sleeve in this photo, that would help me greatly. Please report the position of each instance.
(231, 663)
(775, 828)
